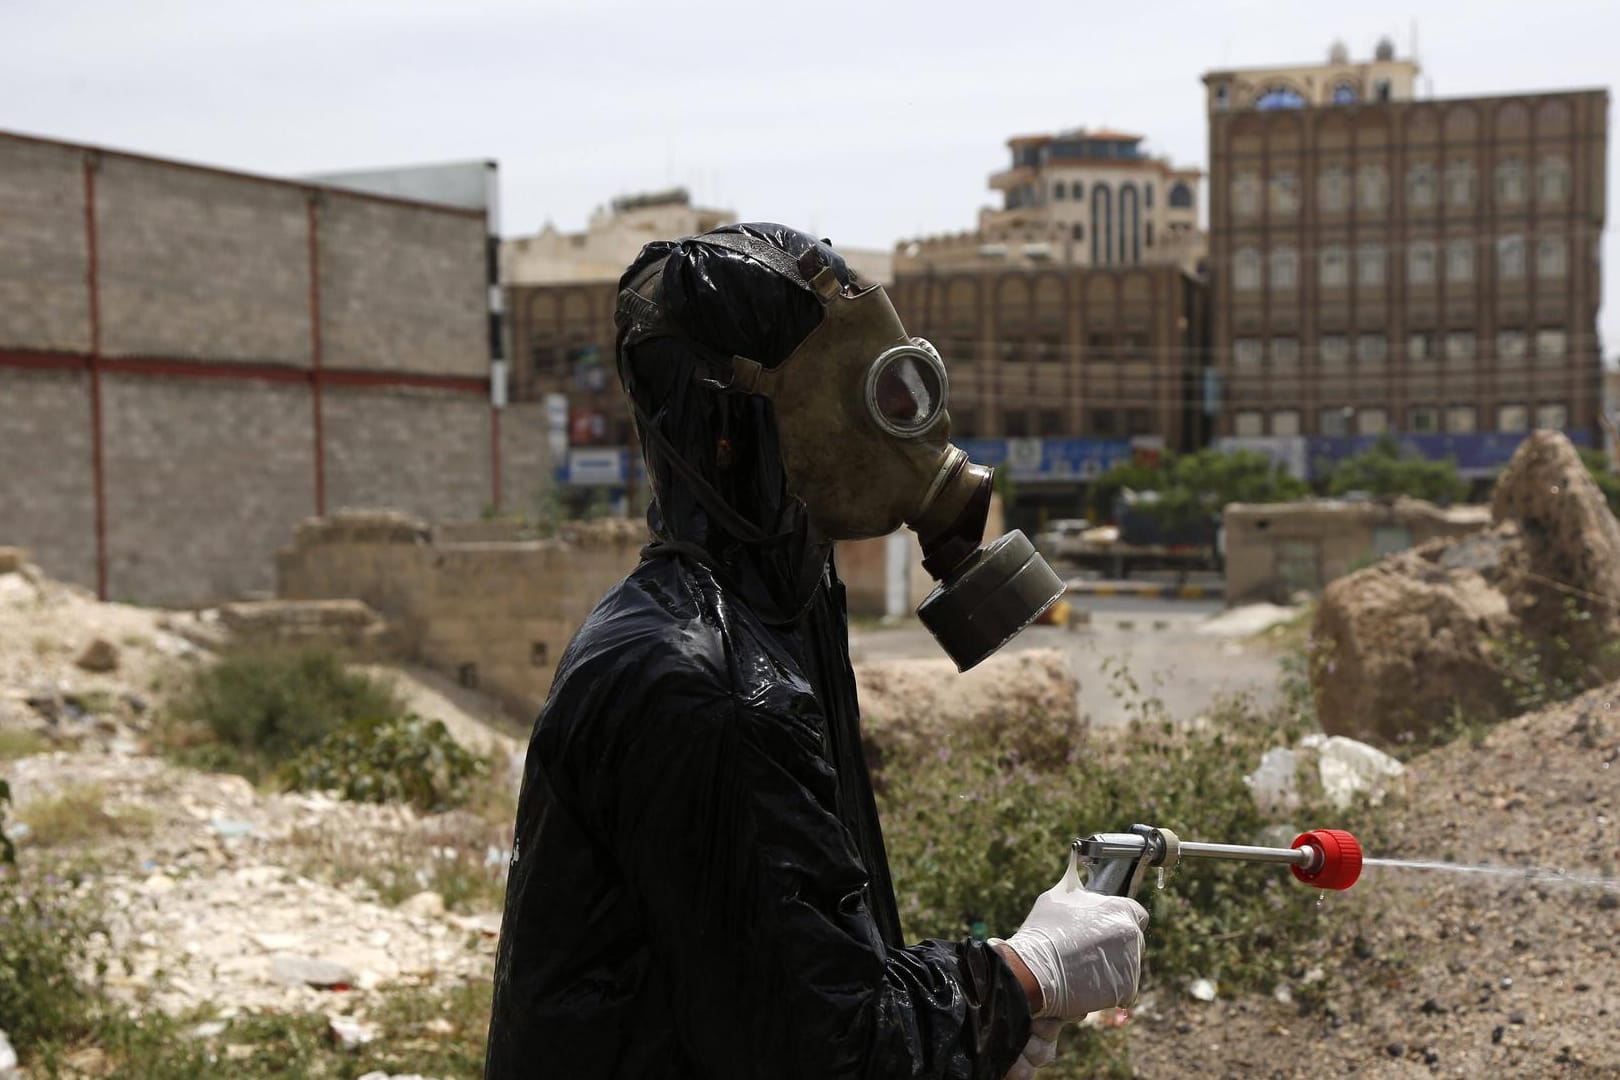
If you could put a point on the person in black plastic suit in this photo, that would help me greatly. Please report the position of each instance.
(698, 885)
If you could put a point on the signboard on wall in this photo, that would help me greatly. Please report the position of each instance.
(1052, 460)
(598, 466)
(1478, 454)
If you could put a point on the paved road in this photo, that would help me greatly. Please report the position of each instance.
(1156, 640)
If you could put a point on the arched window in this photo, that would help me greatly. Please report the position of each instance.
(1130, 219)
(1180, 196)
(1552, 179)
(1280, 97)
(1346, 93)
(1076, 190)
(1102, 225)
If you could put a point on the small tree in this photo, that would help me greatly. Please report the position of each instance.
(1198, 484)
(1385, 471)
(1608, 481)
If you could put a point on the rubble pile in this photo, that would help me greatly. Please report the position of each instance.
(1444, 633)
(1023, 702)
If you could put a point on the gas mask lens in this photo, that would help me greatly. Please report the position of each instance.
(905, 388)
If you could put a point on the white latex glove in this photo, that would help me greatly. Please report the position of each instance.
(1084, 949)
(1039, 1050)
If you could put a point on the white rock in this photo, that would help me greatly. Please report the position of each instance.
(8, 1058)
(424, 905)
(278, 942)
(208, 1029)
(1202, 989)
(308, 971)
(1275, 782)
(1349, 768)
(158, 884)
(350, 1032)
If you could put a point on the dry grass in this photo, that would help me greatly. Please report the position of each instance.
(79, 815)
(15, 743)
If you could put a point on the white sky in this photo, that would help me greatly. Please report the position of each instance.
(865, 123)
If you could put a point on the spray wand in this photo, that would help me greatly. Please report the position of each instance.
(1116, 862)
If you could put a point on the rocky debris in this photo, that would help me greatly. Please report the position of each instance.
(206, 915)
(13, 560)
(1433, 635)
(8, 1056)
(424, 905)
(100, 656)
(1246, 620)
(1024, 702)
(349, 1032)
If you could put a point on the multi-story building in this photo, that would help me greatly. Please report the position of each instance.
(1383, 263)
(611, 239)
(1067, 351)
(1078, 198)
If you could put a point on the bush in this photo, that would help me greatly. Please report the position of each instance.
(45, 946)
(974, 839)
(1601, 468)
(389, 759)
(1385, 471)
(255, 709)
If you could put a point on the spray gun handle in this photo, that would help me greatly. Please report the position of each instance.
(1116, 862)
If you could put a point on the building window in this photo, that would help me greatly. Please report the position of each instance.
(1460, 419)
(1510, 257)
(1015, 423)
(1181, 197)
(1076, 190)
(1059, 190)
(1147, 194)
(1423, 419)
(1246, 270)
(1372, 422)
(1333, 189)
(1138, 422)
(1285, 193)
(1370, 264)
(1419, 349)
(1104, 422)
(1280, 97)
(1551, 346)
(1147, 235)
(1245, 195)
(1284, 353)
(1552, 257)
(1249, 423)
(1371, 348)
(1460, 346)
(1346, 92)
(1246, 354)
(1284, 269)
(964, 423)
(1510, 181)
(1221, 98)
(1051, 422)
(1078, 231)
(1334, 422)
(1553, 415)
(1552, 179)
(1460, 183)
(1335, 268)
(1510, 346)
(1285, 422)
(1420, 186)
(1372, 187)
(1512, 418)
(1335, 350)
(1420, 262)
(1459, 260)
(1382, 89)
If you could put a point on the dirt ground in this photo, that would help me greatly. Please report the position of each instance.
(1429, 973)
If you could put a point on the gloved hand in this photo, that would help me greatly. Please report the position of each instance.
(1039, 1050)
(1084, 949)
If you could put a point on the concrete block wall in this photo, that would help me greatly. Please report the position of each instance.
(44, 258)
(201, 265)
(202, 476)
(498, 614)
(394, 291)
(423, 452)
(47, 502)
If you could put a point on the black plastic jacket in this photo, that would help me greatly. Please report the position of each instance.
(698, 885)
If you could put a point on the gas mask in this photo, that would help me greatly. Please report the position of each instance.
(860, 409)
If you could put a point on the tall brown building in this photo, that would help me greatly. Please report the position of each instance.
(1111, 353)
(1385, 264)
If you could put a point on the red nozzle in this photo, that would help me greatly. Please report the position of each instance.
(1341, 859)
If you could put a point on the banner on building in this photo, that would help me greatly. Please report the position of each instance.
(1050, 460)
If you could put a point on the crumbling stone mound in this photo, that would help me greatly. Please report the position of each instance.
(1021, 703)
(349, 625)
(1439, 633)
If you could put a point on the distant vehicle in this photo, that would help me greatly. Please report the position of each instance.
(1139, 545)
(1061, 539)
